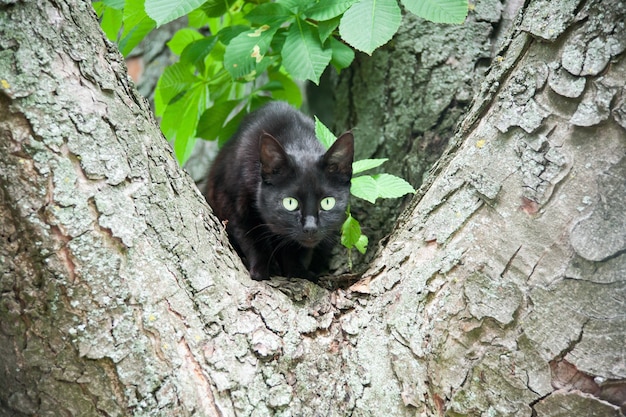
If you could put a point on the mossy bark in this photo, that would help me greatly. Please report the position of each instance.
(500, 292)
(405, 101)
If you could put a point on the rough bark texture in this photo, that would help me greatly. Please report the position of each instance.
(501, 292)
(107, 248)
(505, 283)
(406, 100)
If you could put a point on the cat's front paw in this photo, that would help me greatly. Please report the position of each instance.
(259, 273)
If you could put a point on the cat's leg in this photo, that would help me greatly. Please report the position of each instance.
(320, 257)
(256, 252)
(293, 262)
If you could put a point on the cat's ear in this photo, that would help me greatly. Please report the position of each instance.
(272, 155)
(339, 157)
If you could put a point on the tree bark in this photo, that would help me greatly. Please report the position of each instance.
(406, 101)
(500, 292)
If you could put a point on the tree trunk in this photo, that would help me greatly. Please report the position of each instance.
(500, 292)
(406, 101)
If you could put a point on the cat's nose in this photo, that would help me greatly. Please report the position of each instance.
(310, 225)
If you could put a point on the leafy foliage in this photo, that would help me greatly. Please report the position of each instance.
(369, 24)
(366, 187)
(238, 54)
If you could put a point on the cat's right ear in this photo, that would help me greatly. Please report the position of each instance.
(273, 157)
(338, 159)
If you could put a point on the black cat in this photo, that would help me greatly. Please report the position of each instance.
(282, 196)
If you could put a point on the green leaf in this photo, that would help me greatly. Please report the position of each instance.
(159, 104)
(364, 187)
(175, 80)
(180, 119)
(350, 232)
(371, 187)
(343, 55)
(164, 11)
(137, 24)
(365, 164)
(326, 27)
(229, 33)
(196, 52)
(269, 14)
(438, 11)
(369, 24)
(213, 119)
(98, 7)
(198, 19)
(390, 186)
(216, 8)
(361, 244)
(257, 101)
(231, 127)
(247, 50)
(111, 22)
(290, 92)
(304, 57)
(181, 39)
(114, 4)
(328, 9)
(324, 134)
(269, 86)
(295, 5)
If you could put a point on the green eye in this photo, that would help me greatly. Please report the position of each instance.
(290, 203)
(327, 203)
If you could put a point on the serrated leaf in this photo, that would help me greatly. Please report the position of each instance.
(198, 19)
(111, 22)
(216, 8)
(343, 55)
(365, 164)
(98, 7)
(180, 120)
(115, 4)
(258, 101)
(364, 187)
(164, 11)
(371, 187)
(350, 232)
(361, 244)
(294, 5)
(290, 92)
(181, 39)
(229, 33)
(213, 119)
(196, 52)
(326, 27)
(304, 56)
(369, 24)
(269, 14)
(137, 24)
(270, 86)
(175, 80)
(328, 9)
(231, 127)
(438, 11)
(324, 135)
(390, 186)
(247, 50)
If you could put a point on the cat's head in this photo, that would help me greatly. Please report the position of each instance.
(303, 196)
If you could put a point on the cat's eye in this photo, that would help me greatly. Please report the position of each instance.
(290, 203)
(327, 203)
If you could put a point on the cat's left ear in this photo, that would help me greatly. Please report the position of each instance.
(339, 157)
(273, 157)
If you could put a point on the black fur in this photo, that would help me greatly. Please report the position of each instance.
(275, 155)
